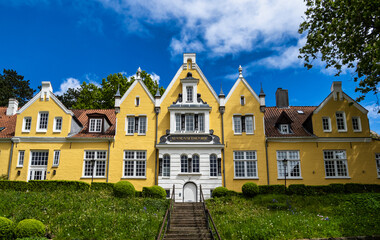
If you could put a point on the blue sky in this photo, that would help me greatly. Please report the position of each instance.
(68, 42)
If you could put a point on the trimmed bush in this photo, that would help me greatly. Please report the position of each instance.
(220, 192)
(250, 189)
(6, 228)
(336, 188)
(272, 189)
(33, 238)
(354, 188)
(138, 194)
(298, 189)
(30, 228)
(102, 186)
(372, 188)
(47, 185)
(319, 190)
(124, 189)
(154, 192)
(13, 185)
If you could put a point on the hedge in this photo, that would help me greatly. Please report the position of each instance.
(102, 186)
(124, 189)
(271, 189)
(6, 228)
(220, 192)
(54, 185)
(336, 188)
(154, 192)
(13, 185)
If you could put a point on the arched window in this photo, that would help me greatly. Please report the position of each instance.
(184, 164)
(166, 166)
(213, 166)
(195, 163)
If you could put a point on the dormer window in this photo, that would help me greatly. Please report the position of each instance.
(284, 129)
(95, 125)
(189, 93)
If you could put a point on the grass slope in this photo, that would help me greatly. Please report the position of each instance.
(86, 215)
(296, 217)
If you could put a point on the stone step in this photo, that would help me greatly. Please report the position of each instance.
(188, 236)
(188, 231)
(189, 218)
(187, 228)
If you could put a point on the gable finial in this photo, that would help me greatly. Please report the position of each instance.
(138, 74)
(240, 71)
(221, 94)
(118, 91)
(261, 90)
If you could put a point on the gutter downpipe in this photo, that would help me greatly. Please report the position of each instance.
(224, 165)
(108, 159)
(10, 160)
(155, 147)
(266, 157)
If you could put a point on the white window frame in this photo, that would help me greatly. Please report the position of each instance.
(233, 124)
(214, 167)
(201, 122)
(290, 165)
(189, 97)
(96, 122)
(21, 158)
(37, 168)
(344, 121)
(129, 119)
(166, 165)
(97, 160)
(134, 161)
(335, 160)
(189, 116)
(377, 157)
(56, 159)
(39, 121)
(56, 119)
(328, 122)
(284, 129)
(246, 125)
(178, 121)
(24, 124)
(245, 161)
(142, 131)
(359, 124)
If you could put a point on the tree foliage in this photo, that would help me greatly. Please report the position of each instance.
(91, 96)
(13, 85)
(344, 33)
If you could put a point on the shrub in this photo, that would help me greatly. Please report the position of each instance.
(336, 188)
(138, 194)
(220, 192)
(6, 228)
(277, 206)
(318, 190)
(354, 188)
(250, 189)
(372, 188)
(154, 192)
(30, 228)
(298, 189)
(13, 185)
(124, 189)
(55, 185)
(102, 186)
(272, 189)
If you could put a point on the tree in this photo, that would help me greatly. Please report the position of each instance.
(344, 33)
(13, 85)
(90, 97)
(70, 97)
(151, 84)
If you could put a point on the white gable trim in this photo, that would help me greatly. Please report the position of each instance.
(52, 96)
(131, 88)
(171, 84)
(207, 82)
(348, 98)
(240, 79)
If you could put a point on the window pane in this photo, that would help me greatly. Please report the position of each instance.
(184, 163)
(100, 168)
(238, 155)
(128, 168)
(325, 123)
(195, 163)
(213, 165)
(87, 168)
(39, 158)
(189, 122)
(58, 124)
(340, 121)
(131, 125)
(98, 125)
(140, 168)
(142, 125)
(251, 168)
(43, 120)
(239, 169)
(249, 124)
(237, 124)
(251, 155)
(21, 156)
(178, 122)
(189, 93)
(201, 123)
(166, 165)
(56, 157)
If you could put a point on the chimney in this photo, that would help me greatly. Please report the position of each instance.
(336, 89)
(45, 91)
(282, 100)
(262, 100)
(12, 107)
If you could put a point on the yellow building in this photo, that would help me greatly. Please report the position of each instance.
(190, 136)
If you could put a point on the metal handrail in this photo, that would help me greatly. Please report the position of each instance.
(166, 221)
(208, 215)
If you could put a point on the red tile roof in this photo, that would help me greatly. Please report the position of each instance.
(81, 115)
(8, 123)
(297, 126)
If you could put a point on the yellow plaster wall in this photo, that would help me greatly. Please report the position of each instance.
(244, 141)
(43, 106)
(5, 149)
(330, 109)
(134, 142)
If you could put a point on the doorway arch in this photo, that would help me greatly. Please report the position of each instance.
(190, 192)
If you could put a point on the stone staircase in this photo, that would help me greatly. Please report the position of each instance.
(188, 221)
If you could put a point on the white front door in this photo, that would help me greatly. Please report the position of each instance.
(189, 192)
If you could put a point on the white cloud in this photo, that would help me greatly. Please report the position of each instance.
(68, 83)
(155, 77)
(220, 27)
(374, 116)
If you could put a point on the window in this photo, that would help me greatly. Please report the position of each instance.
(195, 161)
(38, 165)
(134, 164)
(189, 94)
(201, 123)
(190, 165)
(178, 122)
(215, 166)
(21, 156)
(249, 124)
(292, 166)
(326, 124)
(237, 124)
(167, 193)
(341, 121)
(356, 124)
(57, 155)
(245, 163)
(95, 125)
(284, 129)
(378, 164)
(242, 100)
(137, 101)
(335, 163)
(190, 122)
(27, 124)
(42, 121)
(136, 125)
(184, 164)
(97, 166)
(166, 165)
(57, 124)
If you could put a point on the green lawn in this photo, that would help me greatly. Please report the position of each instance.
(296, 217)
(86, 215)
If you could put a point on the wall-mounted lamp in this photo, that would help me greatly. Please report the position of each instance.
(54, 172)
(313, 172)
(18, 173)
